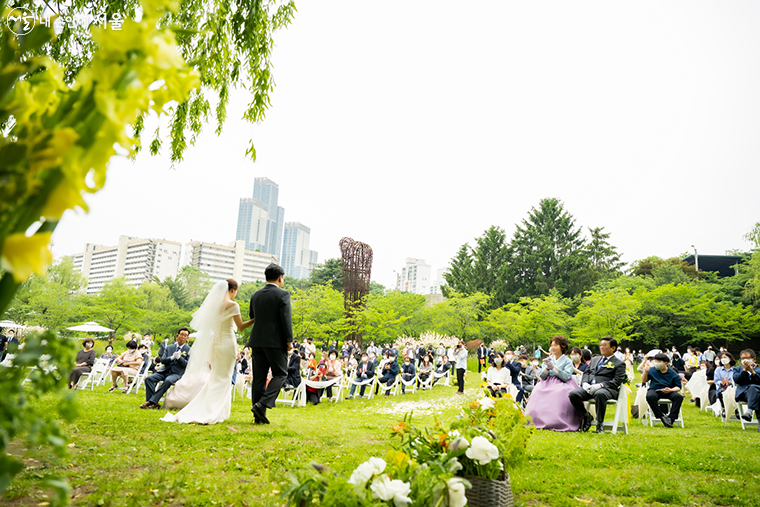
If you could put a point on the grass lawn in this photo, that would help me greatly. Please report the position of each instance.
(123, 456)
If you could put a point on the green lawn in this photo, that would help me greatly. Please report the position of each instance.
(121, 455)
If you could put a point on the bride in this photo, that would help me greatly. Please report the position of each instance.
(214, 348)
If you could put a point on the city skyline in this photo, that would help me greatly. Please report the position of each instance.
(640, 117)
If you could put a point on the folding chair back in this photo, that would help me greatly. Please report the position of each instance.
(742, 408)
(94, 376)
(139, 378)
(621, 411)
(412, 383)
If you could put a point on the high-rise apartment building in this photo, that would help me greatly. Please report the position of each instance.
(136, 259)
(234, 261)
(296, 256)
(415, 277)
(260, 220)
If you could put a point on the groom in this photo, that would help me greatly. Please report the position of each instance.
(271, 340)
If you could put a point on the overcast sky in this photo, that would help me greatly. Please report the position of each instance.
(414, 126)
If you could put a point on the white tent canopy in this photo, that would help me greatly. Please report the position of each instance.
(90, 327)
(10, 324)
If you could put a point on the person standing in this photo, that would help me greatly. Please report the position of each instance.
(460, 354)
(271, 340)
(482, 351)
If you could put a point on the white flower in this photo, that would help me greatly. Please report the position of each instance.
(457, 497)
(486, 403)
(459, 444)
(482, 451)
(454, 466)
(386, 489)
(454, 433)
(378, 464)
(366, 471)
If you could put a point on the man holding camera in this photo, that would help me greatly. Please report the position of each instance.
(747, 379)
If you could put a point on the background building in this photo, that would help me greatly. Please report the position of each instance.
(136, 259)
(415, 277)
(296, 256)
(435, 287)
(234, 261)
(260, 220)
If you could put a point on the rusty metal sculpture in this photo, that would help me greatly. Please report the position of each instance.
(357, 268)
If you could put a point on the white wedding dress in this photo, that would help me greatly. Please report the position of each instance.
(212, 404)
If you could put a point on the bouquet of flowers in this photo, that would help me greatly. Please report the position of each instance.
(427, 467)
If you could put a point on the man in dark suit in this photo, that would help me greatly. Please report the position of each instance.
(747, 379)
(482, 353)
(601, 381)
(271, 340)
(175, 361)
(365, 371)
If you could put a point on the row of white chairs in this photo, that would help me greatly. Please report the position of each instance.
(699, 387)
(343, 383)
(99, 375)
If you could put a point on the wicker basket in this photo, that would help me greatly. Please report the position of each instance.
(489, 492)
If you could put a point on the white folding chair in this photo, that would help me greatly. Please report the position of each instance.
(370, 383)
(392, 389)
(730, 407)
(654, 420)
(437, 376)
(301, 390)
(139, 378)
(94, 376)
(282, 398)
(743, 408)
(621, 411)
(337, 383)
(426, 384)
(412, 383)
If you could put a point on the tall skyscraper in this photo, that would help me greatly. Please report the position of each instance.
(296, 256)
(261, 220)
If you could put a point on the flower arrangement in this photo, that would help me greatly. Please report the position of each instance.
(426, 339)
(427, 467)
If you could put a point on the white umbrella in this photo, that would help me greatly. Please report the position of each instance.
(11, 324)
(90, 327)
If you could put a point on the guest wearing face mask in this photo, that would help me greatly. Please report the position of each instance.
(365, 371)
(724, 374)
(578, 366)
(407, 372)
(424, 371)
(85, 360)
(527, 373)
(334, 369)
(497, 377)
(664, 383)
(514, 370)
(747, 379)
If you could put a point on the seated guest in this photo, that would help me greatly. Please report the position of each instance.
(497, 376)
(527, 373)
(709, 368)
(585, 359)
(678, 363)
(333, 370)
(664, 384)
(365, 371)
(747, 380)
(126, 364)
(443, 367)
(314, 395)
(407, 372)
(388, 373)
(373, 358)
(84, 362)
(352, 364)
(311, 366)
(514, 371)
(578, 366)
(109, 355)
(145, 353)
(723, 376)
(425, 370)
(294, 369)
(549, 405)
(156, 365)
(601, 381)
(175, 361)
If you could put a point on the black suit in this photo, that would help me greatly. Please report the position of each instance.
(364, 371)
(272, 333)
(294, 369)
(482, 353)
(172, 372)
(610, 373)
